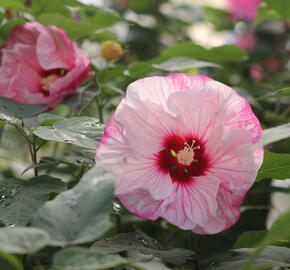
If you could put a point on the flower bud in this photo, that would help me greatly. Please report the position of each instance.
(111, 50)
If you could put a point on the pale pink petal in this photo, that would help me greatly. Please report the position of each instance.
(24, 34)
(141, 203)
(113, 148)
(195, 202)
(233, 162)
(55, 50)
(216, 104)
(145, 89)
(131, 171)
(140, 173)
(20, 63)
(150, 122)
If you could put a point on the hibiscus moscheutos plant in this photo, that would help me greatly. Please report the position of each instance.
(41, 65)
(245, 9)
(183, 147)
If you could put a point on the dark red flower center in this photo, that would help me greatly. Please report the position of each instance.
(182, 158)
(50, 76)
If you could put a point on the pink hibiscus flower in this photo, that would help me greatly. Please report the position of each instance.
(246, 9)
(182, 148)
(40, 64)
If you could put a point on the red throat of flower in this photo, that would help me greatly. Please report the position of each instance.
(182, 158)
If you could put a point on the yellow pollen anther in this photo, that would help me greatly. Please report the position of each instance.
(186, 155)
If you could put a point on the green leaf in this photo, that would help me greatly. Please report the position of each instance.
(284, 92)
(81, 258)
(13, 4)
(82, 131)
(14, 108)
(19, 199)
(48, 119)
(278, 231)
(104, 18)
(271, 258)
(9, 262)
(80, 214)
(44, 6)
(104, 35)
(143, 243)
(22, 240)
(75, 30)
(282, 7)
(250, 239)
(265, 13)
(275, 166)
(275, 134)
(225, 53)
(180, 63)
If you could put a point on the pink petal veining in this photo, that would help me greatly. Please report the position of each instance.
(185, 109)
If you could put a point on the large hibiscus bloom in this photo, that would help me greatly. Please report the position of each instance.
(41, 65)
(182, 148)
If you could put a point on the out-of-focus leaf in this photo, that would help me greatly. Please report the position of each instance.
(44, 6)
(82, 131)
(104, 18)
(225, 53)
(282, 7)
(14, 108)
(10, 262)
(104, 35)
(275, 134)
(266, 13)
(144, 244)
(275, 166)
(81, 258)
(14, 4)
(19, 199)
(270, 259)
(80, 214)
(180, 63)
(250, 239)
(278, 231)
(22, 240)
(284, 92)
(75, 30)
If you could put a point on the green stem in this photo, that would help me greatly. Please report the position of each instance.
(31, 147)
(34, 156)
(100, 110)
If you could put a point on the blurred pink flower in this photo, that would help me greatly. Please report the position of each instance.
(41, 65)
(246, 41)
(256, 72)
(244, 8)
(182, 147)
